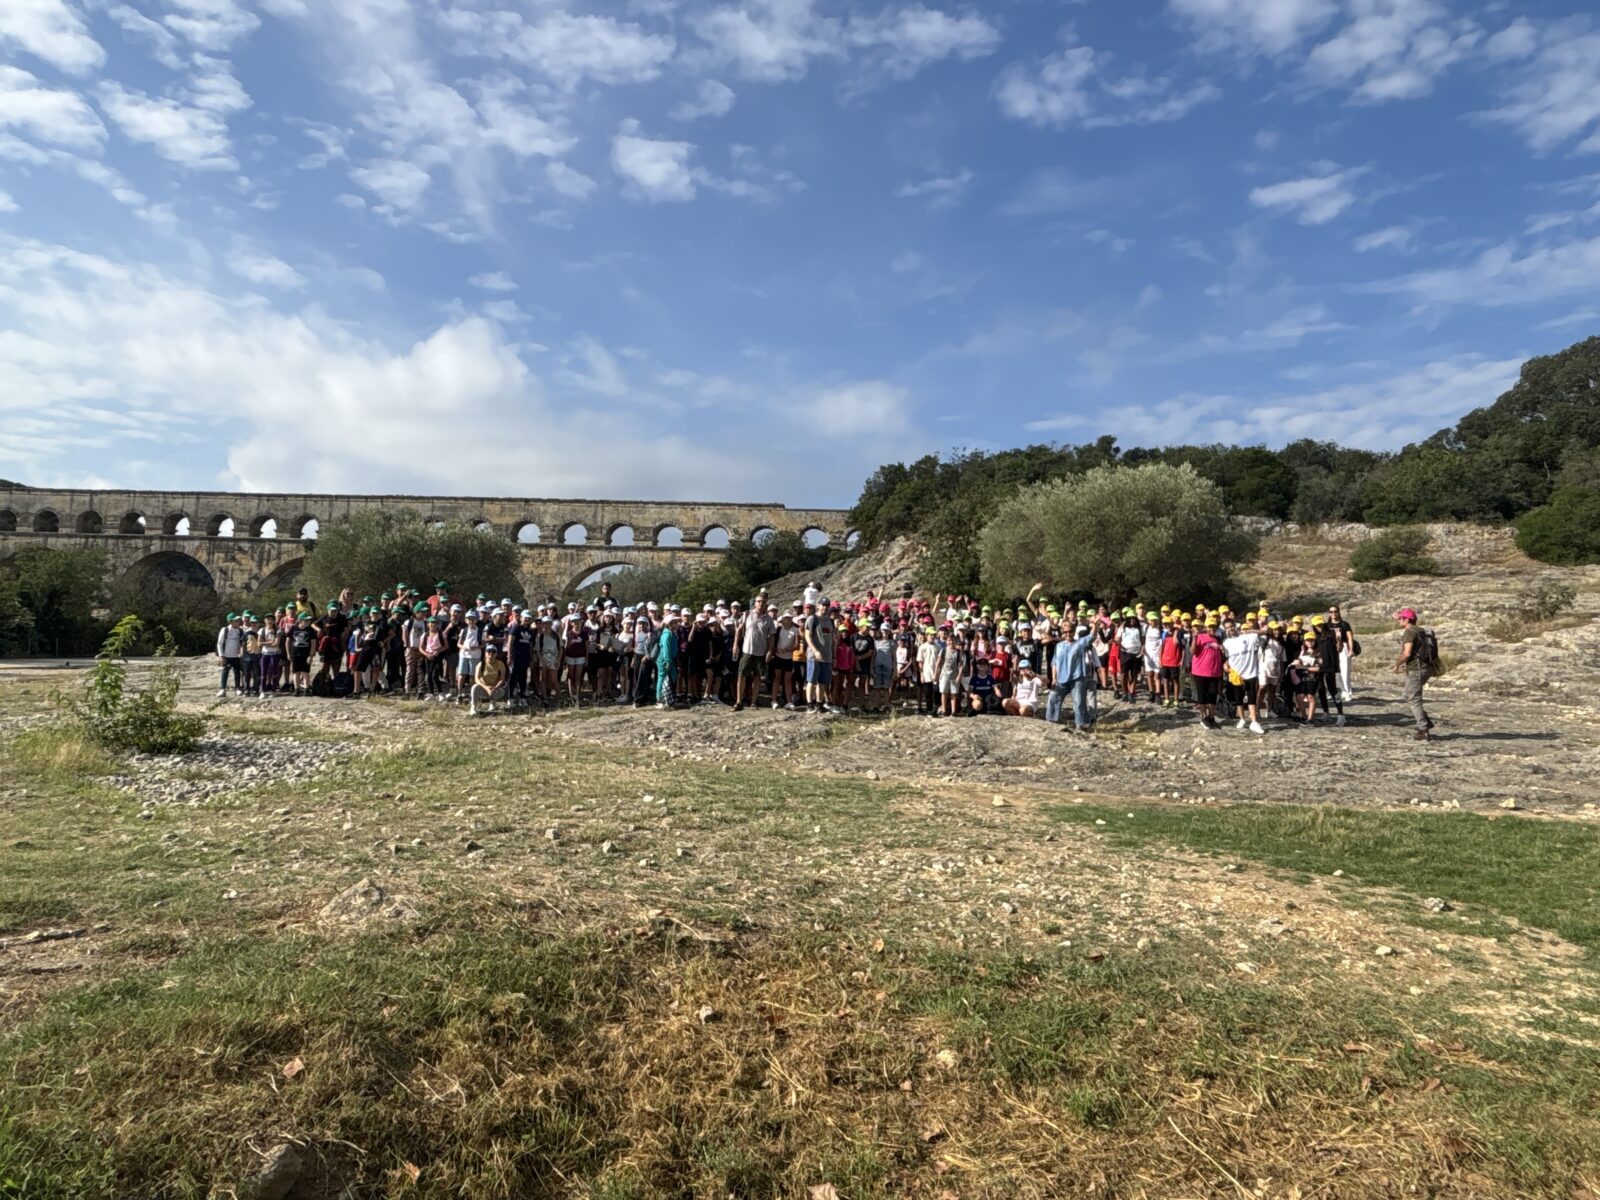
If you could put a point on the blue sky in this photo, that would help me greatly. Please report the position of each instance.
(726, 250)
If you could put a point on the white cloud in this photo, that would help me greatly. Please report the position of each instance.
(1504, 275)
(50, 114)
(902, 42)
(211, 24)
(52, 31)
(1313, 199)
(163, 42)
(941, 191)
(265, 270)
(1399, 238)
(873, 406)
(189, 135)
(772, 41)
(569, 181)
(1553, 98)
(565, 48)
(655, 169)
(1392, 49)
(90, 170)
(1376, 414)
(1254, 26)
(99, 356)
(401, 185)
(1072, 87)
(7, 204)
(711, 99)
(494, 281)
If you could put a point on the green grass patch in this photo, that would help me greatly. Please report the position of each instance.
(1541, 873)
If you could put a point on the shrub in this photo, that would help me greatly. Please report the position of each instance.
(1393, 552)
(146, 720)
(1565, 531)
(1116, 532)
(1538, 610)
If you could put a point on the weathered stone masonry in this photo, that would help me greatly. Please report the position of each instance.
(246, 541)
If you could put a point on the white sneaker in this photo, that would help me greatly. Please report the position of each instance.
(660, 705)
(1243, 723)
(1346, 698)
(222, 693)
(472, 710)
(776, 706)
(1255, 727)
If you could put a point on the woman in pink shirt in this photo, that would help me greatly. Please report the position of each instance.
(1206, 667)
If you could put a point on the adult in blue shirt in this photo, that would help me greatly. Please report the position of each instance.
(1074, 666)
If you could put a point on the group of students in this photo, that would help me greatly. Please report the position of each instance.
(960, 658)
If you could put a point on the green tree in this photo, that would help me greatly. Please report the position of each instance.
(1116, 533)
(1565, 531)
(16, 622)
(59, 589)
(635, 586)
(375, 548)
(1393, 552)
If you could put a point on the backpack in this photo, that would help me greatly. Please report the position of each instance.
(652, 645)
(1426, 654)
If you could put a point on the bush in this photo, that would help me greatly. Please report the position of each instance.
(1116, 533)
(147, 720)
(1393, 552)
(1565, 531)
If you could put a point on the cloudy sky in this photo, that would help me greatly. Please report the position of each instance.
(750, 249)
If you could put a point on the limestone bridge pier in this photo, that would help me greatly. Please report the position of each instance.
(249, 542)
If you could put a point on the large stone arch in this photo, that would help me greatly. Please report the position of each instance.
(599, 564)
(90, 522)
(165, 569)
(8, 521)
(220, 522)
(663, 529)
(283, 576)
(132, 523)
(297, 528)
(46, 520)
(615, 532)
(259, 523)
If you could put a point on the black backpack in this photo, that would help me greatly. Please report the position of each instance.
(652, 645)
(1426, 652)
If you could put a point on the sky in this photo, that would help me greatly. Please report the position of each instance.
(752, 249)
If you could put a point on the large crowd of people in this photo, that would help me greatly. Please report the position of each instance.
(955, 658)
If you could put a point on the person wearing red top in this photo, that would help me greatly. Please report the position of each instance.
(1206, 667)
(1000, 667)
(1171, 663)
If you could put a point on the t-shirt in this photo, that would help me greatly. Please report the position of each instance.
(491, 672)
(1027, 691)
(1244, 655)
(1207, 660)
(1172, 650)
(821, 631)
(1130, 639)
(1410, 637)
(982, 685)
(301, 639)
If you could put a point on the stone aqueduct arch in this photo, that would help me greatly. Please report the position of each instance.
(223, 532)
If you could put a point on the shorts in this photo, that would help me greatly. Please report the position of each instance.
(1170, 674)
(466, 665)
(603, 660)
(300, 663)
(950, 685)
(1131, 667)
(1242, 693)
(575, 663)
(1206, 688)
(549, 660)
(752, 664)
(1152, 663)
(819, 673)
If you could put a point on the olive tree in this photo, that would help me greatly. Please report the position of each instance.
(375, 548)
(1116, 532)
